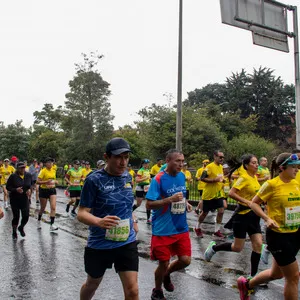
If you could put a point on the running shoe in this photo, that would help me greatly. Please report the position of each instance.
(264, 257)
(209, 252)
(39, 224)
(197, 211)
(198, 232)
(68, 208)
(73, 214)
(149, 221)
(168, 285)
(5, 205)
(243, 289)
(218, 234)
(53, 228)
(157, 295)
(14, 235)
(21, 230)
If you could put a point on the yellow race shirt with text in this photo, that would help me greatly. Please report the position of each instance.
(45, 175)
(213, 190)
(247, 187)
(201, 184)
(283, 201)
(6, 172)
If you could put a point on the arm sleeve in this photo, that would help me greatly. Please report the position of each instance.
(88, 194)
(265, 192)
(154, 191)
(9, 184)
(240, 183)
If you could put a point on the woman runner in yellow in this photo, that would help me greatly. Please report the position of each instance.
(5, 171)
(244, 220)
(282, 194)
(47, 181)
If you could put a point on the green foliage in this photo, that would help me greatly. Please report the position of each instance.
(260, 103)
(49, 117)
(48, 143)
(14, 140)
(249, 143)
(196, 159)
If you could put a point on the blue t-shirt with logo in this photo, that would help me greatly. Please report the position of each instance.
(164, 222)
(108, 195)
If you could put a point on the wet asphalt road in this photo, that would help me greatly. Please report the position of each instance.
(50, 266)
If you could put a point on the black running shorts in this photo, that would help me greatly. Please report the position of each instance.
(209, 205)
(46, 193)
(75, 194)
(243, 224)
(283, 246)
(124, 258)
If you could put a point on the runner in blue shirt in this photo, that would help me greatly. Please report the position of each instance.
(170, 231)
(106, 205)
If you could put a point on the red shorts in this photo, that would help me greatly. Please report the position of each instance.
(164, 247)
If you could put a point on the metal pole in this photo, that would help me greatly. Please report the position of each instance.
(179, 85)
(297, 76)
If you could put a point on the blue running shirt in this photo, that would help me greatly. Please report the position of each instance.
(164, 222)
(108, 195)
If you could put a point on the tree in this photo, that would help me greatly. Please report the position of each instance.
(49, 117)
(88, 121)
(249, 143)
(14, 140)
(259, 101)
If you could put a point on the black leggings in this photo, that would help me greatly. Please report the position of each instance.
(16, 208)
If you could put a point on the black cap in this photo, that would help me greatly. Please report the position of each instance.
(20, 164)
(159, 158)
(76, 162)
(117, 146)
(47, 159)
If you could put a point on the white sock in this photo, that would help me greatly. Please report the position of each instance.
(198, 225)
(217, 227)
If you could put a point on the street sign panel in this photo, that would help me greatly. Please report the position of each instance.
(250, 14)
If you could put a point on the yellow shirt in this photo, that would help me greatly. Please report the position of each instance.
(6, 172)
(155, 169)
(226, 186)
(46, 174)
(144, 173)
(283, 201)
(263, 172)
(248, 187)
(298, 177)
(213, 190)
(201, 184)
(239, 172)
(132, 173)
(85, 173)
(188, 177)
(54, 167)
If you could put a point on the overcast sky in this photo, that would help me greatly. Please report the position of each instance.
(41, 40)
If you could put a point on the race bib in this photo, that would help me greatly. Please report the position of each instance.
(77, 181)
(51, 185)
(119, 233)
(178, 207)
(292, 216)
(226, 189)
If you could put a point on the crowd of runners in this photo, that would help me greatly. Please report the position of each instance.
(107, 197)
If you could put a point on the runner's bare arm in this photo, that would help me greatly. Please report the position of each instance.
(85, 217)
(255, 206)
